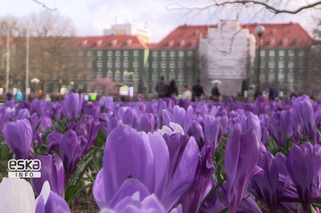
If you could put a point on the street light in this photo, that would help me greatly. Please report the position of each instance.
(259, 30)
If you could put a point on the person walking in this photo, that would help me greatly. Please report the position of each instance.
(187, 94)
(293, 94)
(216, 95)
(9, 95)
(197, 91)
(273, 92)
(161, 88)
(172, 89)
(250, 94)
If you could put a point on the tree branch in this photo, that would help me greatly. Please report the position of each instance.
(44, 5)
(271, 7)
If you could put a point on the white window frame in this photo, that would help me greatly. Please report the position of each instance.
(291, 53)
(271, 53)
(89, 53)
(117, 53)
(125, 53)
(172, 64)
(155, 64)
(117, 64)
(172, 54)
(135, 76)
(181, 54)
(163, 53)
(109, 64)
(99, 74)
(99, 53)
(281, 76)
(99, 63)
(271, 76)
(281, 53)
(291, 65)
(117, 75)
(163, 64)
(180, 65)
(189, 53)
(281, 64)
(110, 74)
(262, 53)
(272, 64)
(155, 54)
(125, 64)
(135, 64)
(135, 53)
(110, 53)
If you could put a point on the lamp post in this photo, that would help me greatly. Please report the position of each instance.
(259, 30)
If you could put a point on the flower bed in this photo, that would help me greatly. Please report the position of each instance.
(163, 156)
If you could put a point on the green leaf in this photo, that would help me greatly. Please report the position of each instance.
(79, 191)
(224, 210)
(80, 170)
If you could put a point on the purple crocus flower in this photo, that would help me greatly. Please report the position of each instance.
(252, 122)
(53, 140)
(146, 122)
(196, 131)
(107, 123)
(295, 127)
(212, 128)
(51, 172)
(5, 115)
(280, 123)
(74, 103)
(18, 136)
(150, 167)
(50, 202)
(70, 153)
(241, 156)
(304, 109)
(37, 106)
(265, 187)
(92, 127)
(92, 109)
(107, 103)
(300, 168)
(22, 113)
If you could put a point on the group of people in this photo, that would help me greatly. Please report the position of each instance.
(168, 90)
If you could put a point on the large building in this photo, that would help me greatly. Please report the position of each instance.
(129, 60)
(129, 29)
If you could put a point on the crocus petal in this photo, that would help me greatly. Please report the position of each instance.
(183, 176)
(126, 154)
(18, 136)
(99, 191)
(16, 196)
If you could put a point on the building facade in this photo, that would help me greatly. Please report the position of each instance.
(129, 29)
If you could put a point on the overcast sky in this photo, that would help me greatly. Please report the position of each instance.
(90, 17)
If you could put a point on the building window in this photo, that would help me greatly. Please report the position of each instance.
(262, 64)
(81, 53)
(110, 53)
(189, 78)
(172, 54)
(172, 64)
(189, 64)
(291, 53)
(125, 75)
(125, 64)
(90, 53)
(154, 77)
(125, 53)
(117, 64)
(262, 53)
(117, 75)
(281, 64)
(135, 64)
(291, 64)
(180, 64)
(163, 64)
(172, 76)
(99, 64)
(135, 76)
(117, 53)
(99, 53)
(80, 86)
(281, 53)
(135, 53)
(281, 76)
(99, 74)
(271, 53)
(89, 64)
(271, 64)
(89, 76)
(155, 63)
(55, 88)
(163, 54)
(262, 77)
(109, 64)
(301, 53)
(271, 76)
(155, 54)
(180, 77)
(190, 53)
(180, 53)
(290, 77)
(110, 74)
